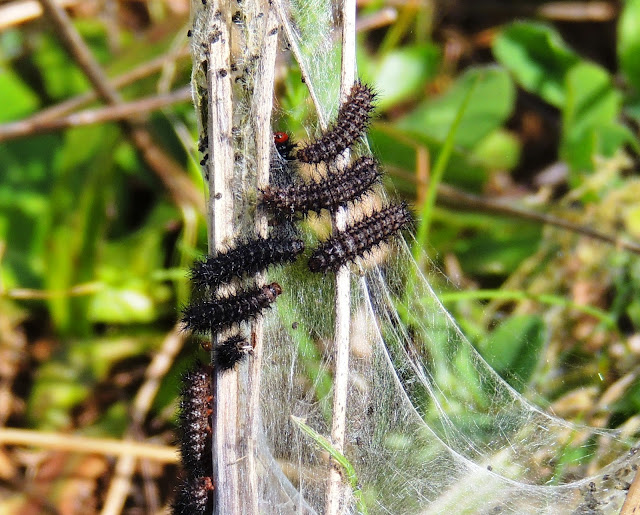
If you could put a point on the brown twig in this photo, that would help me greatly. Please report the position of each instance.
(631, 504)
(336, 499)
(31, 294)
(453, 197)
(15, 13)
(121, 111)
(156, 371)
(83, 444)
(72, 104)
(220, 99)
(262, 107)
(170, 173)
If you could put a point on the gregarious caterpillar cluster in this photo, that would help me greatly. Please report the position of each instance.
(338, 187)
(213, 313)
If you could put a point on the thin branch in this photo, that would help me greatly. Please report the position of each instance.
(31, 294)
(16, 13)
(263, 105)
(127, 78)
(376, 20)
(120, 486)
(453, 197)
(220, 167)
(80, 51)
(336, 487)
(121, 111)
(632, 502)
(83, 444)
(171, 174)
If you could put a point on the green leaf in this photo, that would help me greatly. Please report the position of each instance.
(500, 150)
(402, 73)
(491, 103)
(113, 305)
(17, 98)
(397, 150)
(61, 78)
(497, 246)
(590, 115)
(79, 222)
(590, 98)
(127, 268)
(349, 471)
(25, 196)
(629, 41)
(68, 377)
(513, 349)
(537, 57)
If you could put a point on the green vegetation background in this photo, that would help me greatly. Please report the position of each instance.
(94, 243)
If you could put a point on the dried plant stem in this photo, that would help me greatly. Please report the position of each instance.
(51, 114)
(461, 200)
(74, 443)
(121, 484)
(336, 488)
(632, 502)
(263, 104)
(16, 13)
(169, 172)
(220, 224)
(123, 110)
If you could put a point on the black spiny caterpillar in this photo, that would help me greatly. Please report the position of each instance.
(231, 351)
(352, 122)
(195, 423)
(220, 313)
(359, 238)
(336, 190)
(248, 258)
(194, 497)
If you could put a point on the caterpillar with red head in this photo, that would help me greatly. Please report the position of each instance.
(336, 190)
(358, 239)
(284, 145)
(248, 258)
(223, 312)
(352, 122)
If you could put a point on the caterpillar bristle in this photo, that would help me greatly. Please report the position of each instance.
(231, 352)
(195, 420)
(336, 190)
(247, 258)
(352, 122)
(194, 497)
(360, 238)
(202, 316)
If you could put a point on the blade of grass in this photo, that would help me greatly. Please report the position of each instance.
(339, 458)
(426, 213)
(554, 300)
